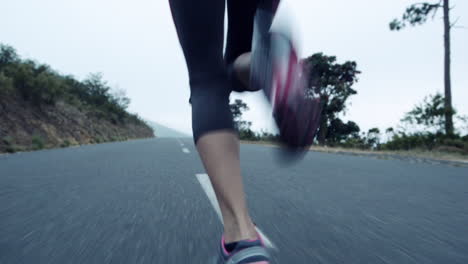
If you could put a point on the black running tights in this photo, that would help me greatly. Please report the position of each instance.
(200, 27)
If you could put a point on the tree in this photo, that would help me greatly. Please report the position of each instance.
(428, 115)
(338, 131)
(418, 14)
(97, 88)
(237, 109)
(119, 97)
(332, 82)
(6, 83)
(463, 125)
(373, 137)
(7, 55)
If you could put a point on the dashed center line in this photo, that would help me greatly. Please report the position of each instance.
(208, 188)
(180, 142)
(182, 145)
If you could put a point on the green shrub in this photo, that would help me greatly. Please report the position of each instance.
(248, 134)
(6, 84)
(426, 141)
(8, 140)
(7, 55)
(37, 142)
(456, 143)
(406, 142)
(65, 143)
(12, 149)
(355, 143)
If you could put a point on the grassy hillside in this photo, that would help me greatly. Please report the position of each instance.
(40, 108)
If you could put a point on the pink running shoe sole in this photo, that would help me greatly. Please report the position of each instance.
(296, 115)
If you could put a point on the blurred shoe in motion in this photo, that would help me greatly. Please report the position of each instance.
(242, 252)
(277, 70)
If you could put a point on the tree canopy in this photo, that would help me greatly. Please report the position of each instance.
(416, 14)
(333, 83)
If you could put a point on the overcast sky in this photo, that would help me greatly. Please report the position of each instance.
(134, 44)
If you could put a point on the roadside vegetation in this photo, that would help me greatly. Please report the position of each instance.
(42, 108)
(421, 129)
(433, 125)
(40, 85)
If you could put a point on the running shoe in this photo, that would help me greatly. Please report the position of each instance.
(244, 252)
(277, 69)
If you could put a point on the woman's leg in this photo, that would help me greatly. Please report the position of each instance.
(240, 28)
(238, 56)
(239, 39)
(219, 152)
(200, 27)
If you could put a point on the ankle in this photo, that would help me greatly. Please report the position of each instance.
(237, 231)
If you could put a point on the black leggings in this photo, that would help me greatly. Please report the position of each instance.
(200, 27)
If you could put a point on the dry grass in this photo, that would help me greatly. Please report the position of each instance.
(419, 154)
(423, 154)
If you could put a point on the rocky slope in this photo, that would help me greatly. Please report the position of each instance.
(24, 126)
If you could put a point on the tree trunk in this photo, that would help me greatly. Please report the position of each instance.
(322, 132)
(447, 81)
(323, 129)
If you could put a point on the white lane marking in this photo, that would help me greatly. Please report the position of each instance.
(180, 142)
(206, 185)
(184, 149)
(208, 188)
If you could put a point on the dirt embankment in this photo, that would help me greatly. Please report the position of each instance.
(24, 126)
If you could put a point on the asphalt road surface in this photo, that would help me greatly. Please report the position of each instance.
(141, 202)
